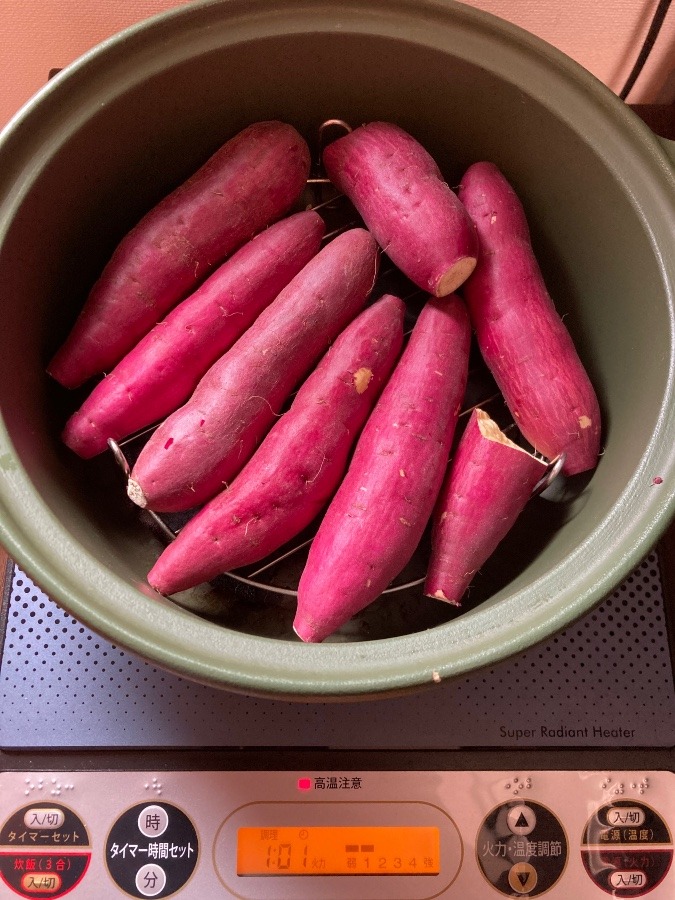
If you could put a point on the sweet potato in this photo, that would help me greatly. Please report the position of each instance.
(296, 469)
(201, 447)
(400, 193)
(487, 486)
(163, 369)
(376, 519)
(521, 336)
(248, 183)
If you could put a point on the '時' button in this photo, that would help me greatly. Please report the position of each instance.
(153, 821)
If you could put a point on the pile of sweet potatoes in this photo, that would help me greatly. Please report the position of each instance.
(284, 389)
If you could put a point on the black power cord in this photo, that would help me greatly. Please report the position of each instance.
(647, 46)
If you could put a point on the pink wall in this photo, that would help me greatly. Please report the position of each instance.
(604, 37)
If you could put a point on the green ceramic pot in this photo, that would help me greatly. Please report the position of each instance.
(114, 132)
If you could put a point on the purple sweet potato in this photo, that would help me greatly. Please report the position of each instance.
(296, 469)
(488, 483)
(248, 183)
(201, 447)
(163, 369)
(521, 336)
(376, 519)
(400, 193)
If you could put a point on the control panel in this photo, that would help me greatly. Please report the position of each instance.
(291, 835)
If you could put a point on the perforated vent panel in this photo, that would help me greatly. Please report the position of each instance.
(606, 681)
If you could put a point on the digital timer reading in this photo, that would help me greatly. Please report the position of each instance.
(338, 850)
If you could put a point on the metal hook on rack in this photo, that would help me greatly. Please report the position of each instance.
(318, 177)
(324, 127)
(553, 469)
(123, 463)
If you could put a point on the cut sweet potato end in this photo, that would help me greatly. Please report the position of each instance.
(135, 493)
(455, 276)
(492, 432)
(442, 596)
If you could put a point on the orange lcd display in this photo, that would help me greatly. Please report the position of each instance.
(338, 850)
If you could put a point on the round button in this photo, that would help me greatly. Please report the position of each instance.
(150, 880)
(522, 878)
(152, 850)
(153, 821)
(627, 848)
(33, 845)
(521, 819)
(522, 848)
